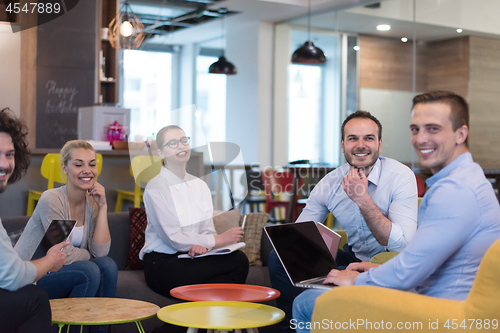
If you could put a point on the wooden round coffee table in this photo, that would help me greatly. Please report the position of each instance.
(100, 311)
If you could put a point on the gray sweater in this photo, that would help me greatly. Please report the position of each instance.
(54, 205)
(14, 272)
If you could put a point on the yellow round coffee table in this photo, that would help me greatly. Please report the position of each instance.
(100, 311)
(221, 315)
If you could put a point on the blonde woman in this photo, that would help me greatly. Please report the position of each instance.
(87, 272)
(179, 209)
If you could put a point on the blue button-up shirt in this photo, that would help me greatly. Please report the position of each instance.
(458, 220)
(392, 187)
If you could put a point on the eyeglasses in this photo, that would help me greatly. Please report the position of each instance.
(175, 143)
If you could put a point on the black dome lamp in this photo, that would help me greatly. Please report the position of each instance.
(308, 53)
(222, 66)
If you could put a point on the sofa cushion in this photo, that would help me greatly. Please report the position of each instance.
(138, 222)
(227, 220)
(253, 235)
(119, 227)
(132, 285)
(13, 223)
(14, 236)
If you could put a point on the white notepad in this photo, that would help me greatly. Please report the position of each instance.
(218, 251)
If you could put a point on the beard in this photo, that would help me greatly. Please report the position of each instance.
(3, 186)
(3, 183)
(367, 165)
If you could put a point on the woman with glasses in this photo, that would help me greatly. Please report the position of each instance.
(179, 210)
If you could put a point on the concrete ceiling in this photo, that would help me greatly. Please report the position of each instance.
(323, 16)
(249, 11)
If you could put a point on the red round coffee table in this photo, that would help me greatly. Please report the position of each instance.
(225, 292)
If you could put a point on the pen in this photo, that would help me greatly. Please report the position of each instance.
(243, 224)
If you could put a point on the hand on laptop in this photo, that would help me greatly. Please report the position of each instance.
(360, 266)
(341, 278)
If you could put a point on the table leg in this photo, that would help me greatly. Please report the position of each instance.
(139, 327)
(252, 330)
(192, 330)
(60, 327)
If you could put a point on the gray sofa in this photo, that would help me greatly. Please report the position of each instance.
(132, 284)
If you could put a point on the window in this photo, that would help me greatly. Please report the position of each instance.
(210, 116)
(147, 78)
(304, 113)
(315, 102)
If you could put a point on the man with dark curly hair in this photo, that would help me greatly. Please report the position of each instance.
(25, 307)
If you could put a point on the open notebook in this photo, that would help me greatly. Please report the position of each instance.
(218, 251)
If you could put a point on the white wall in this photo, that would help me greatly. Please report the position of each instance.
(392, 109)
(282, 58)
(10, 69)
(249, 93)
(184, 115)
(265, 66)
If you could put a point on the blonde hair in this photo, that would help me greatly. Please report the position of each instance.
(72, 145)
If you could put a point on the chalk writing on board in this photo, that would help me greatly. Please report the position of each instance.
(60, 129)
(60, 98)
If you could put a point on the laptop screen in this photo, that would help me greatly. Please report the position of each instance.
(301, 250)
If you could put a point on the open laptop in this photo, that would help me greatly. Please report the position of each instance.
(331, 238)
(303, 253)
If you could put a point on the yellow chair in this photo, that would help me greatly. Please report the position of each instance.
(377, 304)
(51, 170)
(343, 239)
(142, 168)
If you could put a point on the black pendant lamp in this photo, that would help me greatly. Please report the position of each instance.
(222, 66)
(308, 53)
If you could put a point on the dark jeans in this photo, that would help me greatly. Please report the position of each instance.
(96, 277)
(281, 282)
(25, 310)
(164, 272)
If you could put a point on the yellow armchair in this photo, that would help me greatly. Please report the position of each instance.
(377, 308)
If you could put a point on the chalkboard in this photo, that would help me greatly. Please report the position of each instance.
(66, 62)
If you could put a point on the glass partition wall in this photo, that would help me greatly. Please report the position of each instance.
(430, 45)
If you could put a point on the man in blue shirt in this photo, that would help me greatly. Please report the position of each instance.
(460, 203)
(24, 307)
(374, 198)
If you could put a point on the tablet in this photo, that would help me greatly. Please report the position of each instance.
(58, 231)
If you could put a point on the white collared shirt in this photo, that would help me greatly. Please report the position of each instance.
(179, 214)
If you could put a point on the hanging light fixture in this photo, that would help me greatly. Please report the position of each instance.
(222, 66)
(126, 31)
(308, 53)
